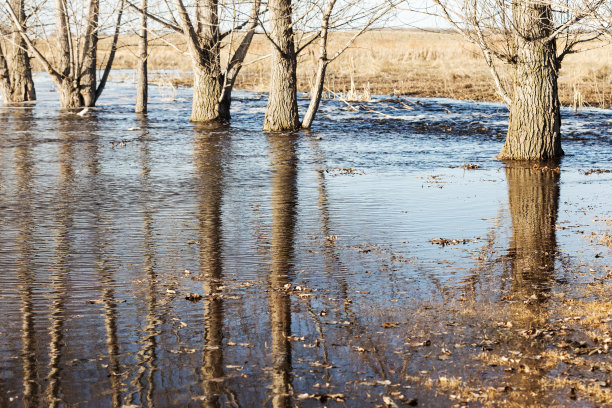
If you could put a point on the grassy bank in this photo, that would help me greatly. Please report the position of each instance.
(417, 63)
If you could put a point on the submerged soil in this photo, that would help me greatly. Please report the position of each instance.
(383, 259)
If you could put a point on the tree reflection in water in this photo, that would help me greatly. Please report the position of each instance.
(209, 155)
(284, 199)
(24, 168)
(533, 195)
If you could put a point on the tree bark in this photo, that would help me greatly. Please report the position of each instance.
(143, 83)
(69, 95)
(16, 84)
(206, 94)
(282, 109)
(205, 52)
(66, 81)
(535, 120)
(88, 80)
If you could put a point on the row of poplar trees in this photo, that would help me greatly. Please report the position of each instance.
(523, 42)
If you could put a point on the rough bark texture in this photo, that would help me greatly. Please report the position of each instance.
(205, 52)
(282, 109)
(69, 94)
(16, 84)
(206, 94)
(67, 87)
(5, 79)
(534, 201)
(142, 90)
(535, 120)
(284, 201)
(90, 48)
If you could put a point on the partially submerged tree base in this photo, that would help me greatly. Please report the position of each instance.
(16, 83)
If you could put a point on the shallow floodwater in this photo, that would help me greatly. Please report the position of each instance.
(147, 261)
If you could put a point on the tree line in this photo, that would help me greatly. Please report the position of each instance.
(523, 42)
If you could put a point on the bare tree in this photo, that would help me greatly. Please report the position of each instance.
(200, 24)
(293, 27)
(334, 15)
(142, 90)
(16, 83)
(282, 109)
(70, 55)
(524, 43)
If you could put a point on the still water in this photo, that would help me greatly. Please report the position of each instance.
(306, 258)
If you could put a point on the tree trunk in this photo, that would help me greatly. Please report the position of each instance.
(69, 95)
(143, 83)
(535, 120)
(67, 87)
(235, 64)
(88, 79)
(207, 67)
(316, 93)
(16, 84)
(206, 94)
(5, 79)
(282, 110)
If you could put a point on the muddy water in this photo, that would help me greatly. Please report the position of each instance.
(307, 258)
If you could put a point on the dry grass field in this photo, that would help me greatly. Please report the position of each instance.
(409, 62)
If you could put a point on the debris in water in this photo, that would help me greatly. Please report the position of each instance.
(389, 402)
(194, 297)
(448, 241)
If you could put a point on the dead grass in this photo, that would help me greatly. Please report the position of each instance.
(437, 64)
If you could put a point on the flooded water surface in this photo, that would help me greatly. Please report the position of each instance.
(147, 261)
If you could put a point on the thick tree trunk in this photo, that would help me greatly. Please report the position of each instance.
(70, 97)
(16, 84)
(207, 84)
(282, 109)
(88, 79)
(67, 87)
(535, 120)
(143, 83)
(206, 95)
(5, 79)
